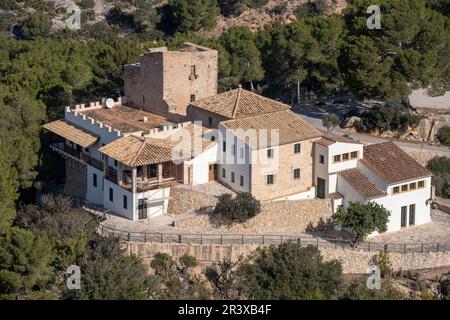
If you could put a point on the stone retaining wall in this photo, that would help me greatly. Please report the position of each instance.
(276, 217)
(353, 261)
(423, 155)
(188, 201)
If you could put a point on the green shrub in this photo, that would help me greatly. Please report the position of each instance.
(444, 286)
(363, 218)
(395, 118)
(36, 25)
(162, 263)
(440, 167)
(188, 261)
(288, 271)
(86, 4)
(330, 121)
(443, 135)
(240, 208)
(310, 8)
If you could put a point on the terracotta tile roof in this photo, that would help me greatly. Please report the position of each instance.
(291, 128)
(133, 151)
(392, 164)
(335, 195)
(127, 119)
(137, 151)
(239, 103)
(324, 142)
(71, 132)
(361, 183)
(329, 138)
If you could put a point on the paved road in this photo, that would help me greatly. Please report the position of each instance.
(315, 114)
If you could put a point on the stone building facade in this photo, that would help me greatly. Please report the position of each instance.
(167, 81)
(292, 173)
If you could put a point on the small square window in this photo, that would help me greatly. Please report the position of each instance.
(241, 180)
(269, 153)
(297, 148)
(354, 154)
(337, 158)
(192, 97)
(321, 158)
(232, 177)
(115, 163)
(412, 186)
(395, 190)
(404, 187)
(224, 173)
(296, 173)
(345, 156)
(421, 184)
(269, 179)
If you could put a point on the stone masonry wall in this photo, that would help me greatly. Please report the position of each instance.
(76, 179)
(187, 201)
(162, 82)
(197, 114)
(423, 156)
(275, 217)
(353, 261)
(284, 183)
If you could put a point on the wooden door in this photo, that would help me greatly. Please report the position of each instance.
(212, 172)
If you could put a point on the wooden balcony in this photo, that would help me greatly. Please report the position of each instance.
(145, 179)
(77, 155)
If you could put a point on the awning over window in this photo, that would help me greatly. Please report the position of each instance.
(71, 132)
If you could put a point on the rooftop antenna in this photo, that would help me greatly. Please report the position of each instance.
(109, 103)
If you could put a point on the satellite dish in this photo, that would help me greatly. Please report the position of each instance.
(109, 103)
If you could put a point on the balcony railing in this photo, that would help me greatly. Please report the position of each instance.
(77, 154)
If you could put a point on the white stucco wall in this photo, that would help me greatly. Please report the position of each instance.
(94, 194)
(372, 177)
(328, 169)
(200, 164)
(154, 197)
(106, 134)
(234, 162)
(340, 148)
(394, 203)
(117, 204)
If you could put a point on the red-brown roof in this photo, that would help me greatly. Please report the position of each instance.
(287, 125)
(361, 183)
(329, 138)
(72, 132)
(239, 103)
(392, 164)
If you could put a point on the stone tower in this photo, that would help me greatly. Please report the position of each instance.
(165, 82)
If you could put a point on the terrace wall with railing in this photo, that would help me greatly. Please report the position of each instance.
(247, 239)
